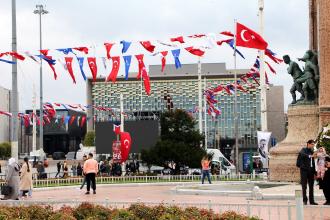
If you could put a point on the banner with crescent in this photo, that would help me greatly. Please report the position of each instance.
(126, 143)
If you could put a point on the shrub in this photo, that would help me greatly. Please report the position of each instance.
(5, 150)
(89, 139)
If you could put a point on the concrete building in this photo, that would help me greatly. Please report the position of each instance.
(4, 120)
(181, 85)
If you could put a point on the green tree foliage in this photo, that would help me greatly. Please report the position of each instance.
(5, 150)
(179, 142)
(89, 139)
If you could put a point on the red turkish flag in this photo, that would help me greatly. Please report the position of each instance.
(68, 61)
(93, 67)
(143, 72)
(116, 129)
(139, 58)
(164, 53)
(126, 142)
(73, 117)
(108, 47)
(115, 68)
(44, 52)
(83, 120)
(246, 37)
(82, 49)
(195, 51)
(148, 46)
(178, 39)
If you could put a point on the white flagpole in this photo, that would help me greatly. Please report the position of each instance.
(205, 115)
(263, 86)
(235, 103)
(122, 112)
(200, 117)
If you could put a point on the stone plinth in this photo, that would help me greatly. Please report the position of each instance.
(303, 125)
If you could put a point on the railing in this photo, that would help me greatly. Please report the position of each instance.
(288, 211)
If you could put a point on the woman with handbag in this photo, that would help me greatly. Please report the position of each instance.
(12, 179)
(26, 178)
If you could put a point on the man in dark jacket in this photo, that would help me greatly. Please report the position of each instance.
(305, 162)
(325, 182)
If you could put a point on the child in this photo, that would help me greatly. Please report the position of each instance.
(321, 154)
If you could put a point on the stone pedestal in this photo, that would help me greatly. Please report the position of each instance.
(303, 124)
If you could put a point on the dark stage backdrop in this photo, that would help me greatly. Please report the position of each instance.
(144, 135)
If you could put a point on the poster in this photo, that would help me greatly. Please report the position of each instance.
(116, 151)
(263, 141)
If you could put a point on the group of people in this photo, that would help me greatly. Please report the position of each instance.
(19, 179)
(314, 165)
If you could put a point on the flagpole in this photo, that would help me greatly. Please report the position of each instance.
(235, 102)
(200, 117)
(205, 116)
(121, 112)
(263, 86)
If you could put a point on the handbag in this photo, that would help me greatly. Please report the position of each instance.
(6, 190)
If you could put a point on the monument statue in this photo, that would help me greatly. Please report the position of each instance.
(311, 77)
(295, 71)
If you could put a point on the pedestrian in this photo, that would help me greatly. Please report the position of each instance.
(79, 169)
(26, 178)
(137, 166)
(41, 171)
(84, 180)
(305, 161)
(90, 170)
(206, 169)
(65, 170)
(325, 181)
(321, 154)
(12, 179)
(74, 169)
(58, 168)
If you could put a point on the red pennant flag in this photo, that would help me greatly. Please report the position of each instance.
(73, 117)
(62, 119)
(82, 49)
(223, 41)
(146, 82)
(195, 51)
(108, 47)
(126, 143)
(83, 120)
(227, 33)
(116, 129)
(16, 55)
(51, 65)
(139, 58)
(246, 37)
(218, 88)
(240, 87)
(44, 52)
(148, 46)
(5, 113)
(197, 36)
(115, 68)
(270, 67)
(93, 67)
(164, 53)
(68, 61)
(178, 39)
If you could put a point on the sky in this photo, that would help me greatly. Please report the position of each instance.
(84, 23)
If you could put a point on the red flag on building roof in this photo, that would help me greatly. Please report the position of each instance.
(248, 38)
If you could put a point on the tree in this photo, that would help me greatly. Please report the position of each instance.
(5, 150)
(179, 142)
(89, 139)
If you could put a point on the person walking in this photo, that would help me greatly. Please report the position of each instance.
(90, 170)
(79, 169)
(65, 170)
(26, 178)
(12, 179)
(58, 168)
(74, 169)
(206, 169)
(305, 161)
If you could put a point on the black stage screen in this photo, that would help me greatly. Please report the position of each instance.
(144, 135)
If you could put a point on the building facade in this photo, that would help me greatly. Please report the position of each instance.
(181, 85)
(4, 120)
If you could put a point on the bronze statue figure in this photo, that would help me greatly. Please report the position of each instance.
(310, 78)
(295, 71)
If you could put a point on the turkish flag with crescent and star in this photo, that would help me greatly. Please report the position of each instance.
(68, 61)
(126, 142)
(115, 68)
(93, 67)
(246, 37)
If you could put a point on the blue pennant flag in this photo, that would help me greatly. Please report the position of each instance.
(7, 61)
(81, 64)
(67, 118)
(127, 60)
(176, 54)
(231, 44)
(50, 61)
(66, 51)
(126, 45)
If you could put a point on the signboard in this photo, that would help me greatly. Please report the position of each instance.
(246, 162)
(116, 150)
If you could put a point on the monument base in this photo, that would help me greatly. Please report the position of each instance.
(303, 124)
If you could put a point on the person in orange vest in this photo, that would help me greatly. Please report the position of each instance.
(90, 171)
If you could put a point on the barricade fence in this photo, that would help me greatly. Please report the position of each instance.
(75, 180)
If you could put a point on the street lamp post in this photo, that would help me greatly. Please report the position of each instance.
(40, 11)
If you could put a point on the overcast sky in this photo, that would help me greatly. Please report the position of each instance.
(84, 23)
